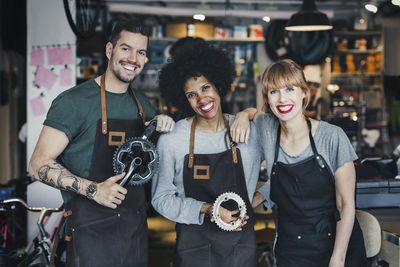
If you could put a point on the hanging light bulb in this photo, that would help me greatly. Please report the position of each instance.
(371, 7)
(396, 2)
(308, 19)
(266, 19)
(200, 17)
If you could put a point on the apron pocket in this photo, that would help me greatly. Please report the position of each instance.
(97, 243)
(245, 255)
(194, 257)
(313, 250)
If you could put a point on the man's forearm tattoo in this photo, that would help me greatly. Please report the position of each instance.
(62, 178)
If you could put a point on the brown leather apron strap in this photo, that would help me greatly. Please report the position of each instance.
(67, 213)
(141, 112)
(103, 104)
(191, 146)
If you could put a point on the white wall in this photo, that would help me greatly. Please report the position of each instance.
(46, 25)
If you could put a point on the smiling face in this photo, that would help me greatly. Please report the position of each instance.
(286, 103)
(128, 56)
(203, 97)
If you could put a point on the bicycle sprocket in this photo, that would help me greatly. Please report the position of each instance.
(138, 158)
(241, 206)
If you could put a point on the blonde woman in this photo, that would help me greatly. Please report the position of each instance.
(312, 177)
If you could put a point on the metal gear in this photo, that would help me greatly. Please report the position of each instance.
(138, 158)
(241, 206)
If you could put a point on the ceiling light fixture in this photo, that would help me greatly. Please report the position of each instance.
(266, 19)
(308, 19)
(371, 7)
(396, 2)
(200, 17)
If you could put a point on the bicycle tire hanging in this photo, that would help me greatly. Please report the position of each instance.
(86, 18)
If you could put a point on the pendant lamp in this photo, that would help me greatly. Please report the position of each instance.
(308, 19)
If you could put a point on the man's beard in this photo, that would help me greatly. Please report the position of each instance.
(118, 74)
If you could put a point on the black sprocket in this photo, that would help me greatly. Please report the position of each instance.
(138, 158)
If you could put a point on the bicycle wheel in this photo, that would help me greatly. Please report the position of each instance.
(86, 16)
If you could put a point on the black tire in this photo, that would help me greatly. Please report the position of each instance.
(309, 48)
(276, 40)
(86, 18)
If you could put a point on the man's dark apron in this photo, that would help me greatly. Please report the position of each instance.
(101, 236)
(305, 195)
(205, 177)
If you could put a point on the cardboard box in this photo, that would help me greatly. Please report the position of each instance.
(204, 30)
(239, 32)
(255, 31)
(177, 30)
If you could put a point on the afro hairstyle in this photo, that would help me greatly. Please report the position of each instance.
(195, 59)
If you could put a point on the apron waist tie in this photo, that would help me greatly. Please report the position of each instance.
(318, 224)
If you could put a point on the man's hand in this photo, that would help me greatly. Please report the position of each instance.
(110, 193)
(164, 123)
(240, 129)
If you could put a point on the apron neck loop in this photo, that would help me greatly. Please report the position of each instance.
(103, 104)
(141, 113)
(191, 145)
(314, 148)
(278, 140)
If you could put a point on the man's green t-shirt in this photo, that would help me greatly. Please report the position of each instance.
(76, 112)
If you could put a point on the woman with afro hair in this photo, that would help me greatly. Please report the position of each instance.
(199, 162)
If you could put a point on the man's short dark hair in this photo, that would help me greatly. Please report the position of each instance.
(130, 26)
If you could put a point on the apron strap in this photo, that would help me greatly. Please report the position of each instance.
(141, 113)
(278, 140)
(314, 148)
(103, 104)
(191, 145)
(140, 108)
(278, 143)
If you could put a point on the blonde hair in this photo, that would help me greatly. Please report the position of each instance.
(284, 74)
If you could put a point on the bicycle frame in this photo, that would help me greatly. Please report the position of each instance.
(42, 243)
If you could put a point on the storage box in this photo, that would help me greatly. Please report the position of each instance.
(239, 32)
(255, 31)
(203, 30)
(176, 30)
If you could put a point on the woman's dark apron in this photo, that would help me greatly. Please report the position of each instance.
(205, 177)
(101, 236)
(307, 215)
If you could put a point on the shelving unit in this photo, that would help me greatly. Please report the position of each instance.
(357, 64)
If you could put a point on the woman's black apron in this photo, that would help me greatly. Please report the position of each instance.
(101, 236)
(205, 177)
(305, 195)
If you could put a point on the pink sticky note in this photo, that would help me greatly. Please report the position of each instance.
(45, 77)
(67, 55)
(37, 56)
(54, 56)
(37, 106)
(66, 77)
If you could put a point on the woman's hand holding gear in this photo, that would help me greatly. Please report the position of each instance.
(224, 218)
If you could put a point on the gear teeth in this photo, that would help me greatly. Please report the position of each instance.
(242, 214)
(125, 148)
(154, 170)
